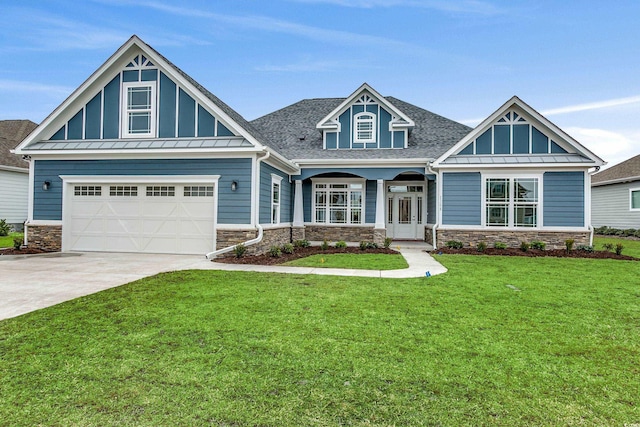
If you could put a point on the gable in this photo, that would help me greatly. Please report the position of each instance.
(365, 120)
(517, 135)
(512, 134)
(175, 114)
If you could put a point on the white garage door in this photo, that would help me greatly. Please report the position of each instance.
(152, 218)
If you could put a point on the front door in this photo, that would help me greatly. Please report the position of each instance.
(405, 211)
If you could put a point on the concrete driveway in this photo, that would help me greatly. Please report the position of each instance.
(28, 283)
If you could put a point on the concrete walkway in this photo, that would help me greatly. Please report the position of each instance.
(32, 282)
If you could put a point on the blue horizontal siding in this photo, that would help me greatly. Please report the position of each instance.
(368, 173)
(265, 194)
(461, 198)
(431, 202)
(563, 199)
(233, 207)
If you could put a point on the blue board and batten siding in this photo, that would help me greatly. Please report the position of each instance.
(234, 207)
(461, 198)
(100, 119)
(431, 202)
(563, 199)
(286, 195)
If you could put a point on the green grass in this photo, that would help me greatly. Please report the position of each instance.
(354, 261)
(500, 341)
(631, 247)
(7, 241)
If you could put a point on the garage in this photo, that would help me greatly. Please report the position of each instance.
(140, 215)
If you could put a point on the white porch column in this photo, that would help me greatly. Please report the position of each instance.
(298, 211)
(380, 204)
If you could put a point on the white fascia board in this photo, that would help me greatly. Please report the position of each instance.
(14, 169)
(318, 163)
(277, 158)
(545, 166)
(95, 154)
(515, 101)
(157, 156)
(177, 179)
(615, 181)
(326, 122)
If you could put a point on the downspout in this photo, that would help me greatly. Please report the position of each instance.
(591, 229)
(256, 201)
(435, 225)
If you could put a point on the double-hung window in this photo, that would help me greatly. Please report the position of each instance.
(338, 203)
(511, 202)
(138, 109)
(634, 199)
(276, 182)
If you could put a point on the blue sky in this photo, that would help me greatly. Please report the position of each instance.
(577, 62)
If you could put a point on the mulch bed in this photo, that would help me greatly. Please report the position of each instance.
(560, 253)
(298, 253)
(24, 251)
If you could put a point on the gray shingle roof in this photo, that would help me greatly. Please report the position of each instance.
(12, 132)
(430, 138)
(627, 170)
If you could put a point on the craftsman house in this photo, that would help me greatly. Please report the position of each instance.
(141, 158)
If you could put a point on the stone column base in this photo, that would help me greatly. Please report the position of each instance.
(45, 237)
(297, 233)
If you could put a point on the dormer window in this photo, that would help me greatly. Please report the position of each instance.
(138, 109)
(364, 127)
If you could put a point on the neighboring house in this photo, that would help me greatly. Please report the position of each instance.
(615, 195)
(142, 158)
(14, 172)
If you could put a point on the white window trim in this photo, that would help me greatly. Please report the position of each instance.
(374, 125)
(347, 181)
(124, 112)
(511, 205)
(275, 179)
(631, 191)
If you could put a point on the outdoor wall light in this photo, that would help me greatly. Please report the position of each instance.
(234, 185)
(46, 185)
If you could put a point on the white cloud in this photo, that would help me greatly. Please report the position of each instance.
(613, 147)
(592, 106)
(26, 86)
(264, 23)
(459, 6)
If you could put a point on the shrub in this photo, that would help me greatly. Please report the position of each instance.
(363, 245)
(324, 245)
(17, 242)
(585, 248)
(275, 252)
(629, 232)
(537, 244)
(601, 230)
(287, 248)
(524, 246)
(619, 248)
(454, 244)
(341, 244)
(304, 243)
(387, 242)
(5, 228)
(569, 244)
(372, 245)
(239, 250)
(500, 245)
(482, 246)
(607, 246)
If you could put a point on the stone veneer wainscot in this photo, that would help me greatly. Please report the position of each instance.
(553, 239)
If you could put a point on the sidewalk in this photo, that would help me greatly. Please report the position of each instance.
(420, 262)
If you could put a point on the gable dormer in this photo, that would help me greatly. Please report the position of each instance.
(365, 120)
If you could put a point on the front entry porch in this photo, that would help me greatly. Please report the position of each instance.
(405, 210)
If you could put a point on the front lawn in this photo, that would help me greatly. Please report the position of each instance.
(363, 261)
(7, 241)
(631, 247)
(496, 341)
